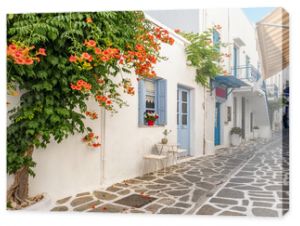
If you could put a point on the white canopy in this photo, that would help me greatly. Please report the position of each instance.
(273, 39)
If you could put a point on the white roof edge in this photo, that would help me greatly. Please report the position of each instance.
(171, 32)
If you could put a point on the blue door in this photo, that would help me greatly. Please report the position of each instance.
(217, 124)
(183, 119)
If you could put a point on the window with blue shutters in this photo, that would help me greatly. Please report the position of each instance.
(236, 55)
(248, 67)
(216, 39)
(152, 98)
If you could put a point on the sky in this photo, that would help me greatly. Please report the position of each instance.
(256, 14)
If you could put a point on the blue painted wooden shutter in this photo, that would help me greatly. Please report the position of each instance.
(162, 101)
(216, 39)
(235, 60)
(142, 105)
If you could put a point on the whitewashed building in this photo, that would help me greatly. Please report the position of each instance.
(275, 86)
(200, 119)
(72, 166)
(238, 98)
(273, 39)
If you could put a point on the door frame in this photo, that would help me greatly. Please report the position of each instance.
(236, 59)
(243, 118)
(217, 120)
(184, 88)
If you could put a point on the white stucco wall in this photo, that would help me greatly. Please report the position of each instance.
(73, 167)
(69, 167)
(279, 80)
(235, 24)
(127, 143)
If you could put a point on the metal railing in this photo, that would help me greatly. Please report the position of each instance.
(247, 73)
(264, 89)
(272, 91)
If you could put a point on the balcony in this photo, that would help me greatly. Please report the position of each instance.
(272, 92)
(246, 73)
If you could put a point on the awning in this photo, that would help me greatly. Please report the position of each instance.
(230, 81)
(273, 39)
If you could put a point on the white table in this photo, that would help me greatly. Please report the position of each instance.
(171, 149)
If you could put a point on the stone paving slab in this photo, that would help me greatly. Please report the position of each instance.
(233, 182)
(252, 192)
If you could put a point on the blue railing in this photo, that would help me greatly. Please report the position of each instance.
(264, 88)
(276, 90)
(246, 72)
(272, 91)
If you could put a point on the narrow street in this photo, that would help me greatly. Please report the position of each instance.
(259, 188)
(245, 181)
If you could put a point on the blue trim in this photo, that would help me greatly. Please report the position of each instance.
(188, 125)
(216, 39)
(235, 60)
(218, 124)
(160, 98)
(162, 101)
(248, 68)
(141, 102)
(230, 81)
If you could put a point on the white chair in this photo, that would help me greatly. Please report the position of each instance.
(156, 159)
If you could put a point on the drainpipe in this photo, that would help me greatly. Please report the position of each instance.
(204, 125)
(102, 153)
(204, 15)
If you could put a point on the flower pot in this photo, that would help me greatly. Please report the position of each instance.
(150, 123)
(236, 139)
(164, 140)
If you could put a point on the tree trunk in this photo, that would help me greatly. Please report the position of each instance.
(18, 192)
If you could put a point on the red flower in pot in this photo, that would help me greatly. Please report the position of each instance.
(151, 117)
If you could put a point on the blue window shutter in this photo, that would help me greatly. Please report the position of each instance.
(162, 101)
(235, 60)
(216, 39)
(141, 97)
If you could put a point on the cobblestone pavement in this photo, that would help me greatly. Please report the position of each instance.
(259, 188)
(238, 181)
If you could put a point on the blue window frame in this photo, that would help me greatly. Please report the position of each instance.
(248, 69)
(236, 53)
(152, 98)
(216, 39)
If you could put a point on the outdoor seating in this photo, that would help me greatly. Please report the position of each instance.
(156, 160)
(166, 154)
(171, 150)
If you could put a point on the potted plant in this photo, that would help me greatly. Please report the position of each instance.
(150, 118)
(255, 131)
(236, 136)
(165, 139)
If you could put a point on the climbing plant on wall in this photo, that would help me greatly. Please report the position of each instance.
(57, 62)
(205, 55)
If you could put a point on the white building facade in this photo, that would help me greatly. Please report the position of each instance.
(229, 105)
(125, 138)
(200, 118)
(275, 87)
